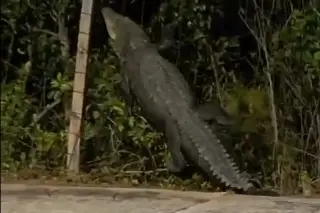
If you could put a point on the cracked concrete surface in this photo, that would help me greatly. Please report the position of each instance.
(19, 198)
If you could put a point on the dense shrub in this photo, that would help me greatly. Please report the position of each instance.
(269, 86)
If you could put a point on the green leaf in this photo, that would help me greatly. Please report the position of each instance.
(96, 114)
(131, 121)
(316, 56)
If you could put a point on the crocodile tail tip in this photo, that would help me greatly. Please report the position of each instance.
(247, 185)
(242, 182)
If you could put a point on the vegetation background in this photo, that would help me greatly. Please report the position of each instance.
(260, 60)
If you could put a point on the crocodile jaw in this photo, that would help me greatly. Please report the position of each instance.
(123, 32)
(111, 18)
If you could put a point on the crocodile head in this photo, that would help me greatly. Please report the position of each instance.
(123, 32)
(111, 19)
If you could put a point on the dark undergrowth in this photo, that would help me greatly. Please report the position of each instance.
(260, 62)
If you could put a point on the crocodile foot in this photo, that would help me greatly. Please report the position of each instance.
(173, 167)
(213, 111)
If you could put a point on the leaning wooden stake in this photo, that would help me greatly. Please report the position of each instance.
(79, 87)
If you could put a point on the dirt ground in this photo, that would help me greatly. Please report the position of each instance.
(17, 198)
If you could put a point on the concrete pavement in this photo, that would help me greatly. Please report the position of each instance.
(20, 198)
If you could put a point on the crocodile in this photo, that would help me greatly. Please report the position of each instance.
(167, 102)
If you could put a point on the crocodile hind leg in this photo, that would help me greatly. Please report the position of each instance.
(177, 162)
(208, 112)
(213, 111)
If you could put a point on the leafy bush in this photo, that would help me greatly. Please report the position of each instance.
(276, 136)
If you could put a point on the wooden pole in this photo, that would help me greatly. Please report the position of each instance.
(79, 87)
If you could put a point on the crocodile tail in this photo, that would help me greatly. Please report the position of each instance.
(211, 150)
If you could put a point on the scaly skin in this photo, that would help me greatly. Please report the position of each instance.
(167, 102)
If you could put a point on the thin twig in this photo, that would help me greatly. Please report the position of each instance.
(215, 72)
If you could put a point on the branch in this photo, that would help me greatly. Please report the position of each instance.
(48, 108)
(318, 143)
(148, 172)
(262, 43)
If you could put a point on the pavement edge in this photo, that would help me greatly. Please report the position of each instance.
(50, 190)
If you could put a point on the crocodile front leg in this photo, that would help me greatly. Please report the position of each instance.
(127, 95)
(167, 34)
(167, 38)
(177, 162)
(166, 41)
